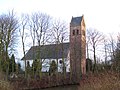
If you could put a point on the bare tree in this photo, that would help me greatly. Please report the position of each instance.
(41, 24)
(59, 35)
(8, 27)
(114, 51)
(40, 27)
(95, 38)
(105, 49)
(23, 35)
(112, 47)
(32, 28)
(59, 32)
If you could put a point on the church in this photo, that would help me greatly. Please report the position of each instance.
(73, 52)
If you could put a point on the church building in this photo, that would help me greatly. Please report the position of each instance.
(73, 52)
(77, 47)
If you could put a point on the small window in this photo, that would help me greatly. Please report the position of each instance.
(73, 32)
(77, 31)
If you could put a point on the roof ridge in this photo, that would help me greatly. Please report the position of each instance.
(51, 44)
(76, 20)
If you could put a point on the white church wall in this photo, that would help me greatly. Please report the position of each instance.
(46, 64)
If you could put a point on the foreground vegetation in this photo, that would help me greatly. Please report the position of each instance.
(108, 80)
(101, 81)
(4, 85)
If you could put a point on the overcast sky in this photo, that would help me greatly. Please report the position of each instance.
(102, 15)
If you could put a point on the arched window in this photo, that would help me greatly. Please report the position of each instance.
(73, 32)
(77, 31)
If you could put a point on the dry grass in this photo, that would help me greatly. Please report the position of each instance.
(4, 85)
(101, 81)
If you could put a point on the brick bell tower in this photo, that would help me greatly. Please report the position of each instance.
(77, 48)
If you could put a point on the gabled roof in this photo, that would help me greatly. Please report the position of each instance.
(52, 51)
(76, 20)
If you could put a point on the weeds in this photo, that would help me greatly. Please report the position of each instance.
(101, 81)
(4, 85)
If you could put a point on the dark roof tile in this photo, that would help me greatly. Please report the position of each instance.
(76, 20)
(48, 52)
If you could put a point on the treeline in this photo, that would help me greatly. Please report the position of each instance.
(8, 28)
(39, 28)
(103, 52)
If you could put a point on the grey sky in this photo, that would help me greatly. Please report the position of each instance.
(100, 14)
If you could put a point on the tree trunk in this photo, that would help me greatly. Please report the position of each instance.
(95, 66)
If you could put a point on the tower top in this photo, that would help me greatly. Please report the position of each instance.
(76, 20)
